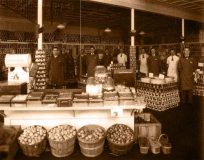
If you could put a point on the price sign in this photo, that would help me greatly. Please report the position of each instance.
(151, 75)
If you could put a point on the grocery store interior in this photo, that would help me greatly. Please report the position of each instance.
(75, 83)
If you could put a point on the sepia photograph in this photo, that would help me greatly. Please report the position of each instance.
(101, 79)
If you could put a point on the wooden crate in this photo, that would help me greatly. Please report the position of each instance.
(150, 127)
(8, 150)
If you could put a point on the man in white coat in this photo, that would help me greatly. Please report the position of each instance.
(122, 57)
(143, 62)
(172, 62)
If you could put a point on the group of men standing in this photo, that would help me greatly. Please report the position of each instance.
(180, 68)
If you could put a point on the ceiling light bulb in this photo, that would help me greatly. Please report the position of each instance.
(107, 29)
(61, 26)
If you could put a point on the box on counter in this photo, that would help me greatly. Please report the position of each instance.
(34, 99)
(81, 100)
(19, 100)
(65, 99)
(146, 125)
(50, 98)
(95, 102)
(5, 100)
(126, 101)
(111, 98)
(13, 88)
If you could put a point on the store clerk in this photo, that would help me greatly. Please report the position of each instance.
(55, 69)
(172, 63)
(91, 62)
(122, 57)
(154, 63)
(143, 62)
(186, 67)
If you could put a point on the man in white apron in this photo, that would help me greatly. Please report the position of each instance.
(143, 62)
(172, 62)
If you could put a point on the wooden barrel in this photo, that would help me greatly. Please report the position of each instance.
(91, 149)
(62, 148)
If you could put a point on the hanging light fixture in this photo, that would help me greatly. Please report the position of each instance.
(107, 30)
(61, 26)
(142, 33)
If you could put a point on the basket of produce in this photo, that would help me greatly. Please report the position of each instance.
(62, 140)
(144, 145)
(165, 144)
(155, 145)
(120, 139)
(91, 140)
(33, 140)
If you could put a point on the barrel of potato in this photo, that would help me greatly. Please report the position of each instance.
(62, 140)
(91, 140)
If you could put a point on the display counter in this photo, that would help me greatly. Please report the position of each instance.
(52, 115)
(78, 114)
(159, 97)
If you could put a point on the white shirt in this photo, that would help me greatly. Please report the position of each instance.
(143, 63)
(122, 58)
(172, 71)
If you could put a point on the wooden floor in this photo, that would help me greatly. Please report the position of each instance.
(183, 126)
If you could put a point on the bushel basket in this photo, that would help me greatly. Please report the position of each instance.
(33, 149)
(120, 147)
(88, 146)
(62, 140)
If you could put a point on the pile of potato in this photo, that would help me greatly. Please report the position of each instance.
(62, 132)
(120, 134)
(32, 135)
(91, 135)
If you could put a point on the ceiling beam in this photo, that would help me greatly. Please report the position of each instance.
(155, 7)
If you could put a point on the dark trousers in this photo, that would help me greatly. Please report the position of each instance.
(187, 96)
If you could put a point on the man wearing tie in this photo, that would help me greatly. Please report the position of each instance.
(186, 67)
(91, 62)
(172, 62)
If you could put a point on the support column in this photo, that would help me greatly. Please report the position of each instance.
(40, 23)
(132, 46)
(183, 29)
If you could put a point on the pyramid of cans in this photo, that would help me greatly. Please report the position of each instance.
(159, 96)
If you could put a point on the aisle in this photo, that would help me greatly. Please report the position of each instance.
(183, 126)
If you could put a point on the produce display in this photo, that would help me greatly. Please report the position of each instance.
(62, 132)
(159, 97)
(32, 135)
(90, 135)
(120, 134)
(40, 59)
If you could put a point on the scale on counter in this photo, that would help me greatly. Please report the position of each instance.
(18, 74)
(18, 67)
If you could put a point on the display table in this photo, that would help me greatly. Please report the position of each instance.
(50, 115)
(159, 97)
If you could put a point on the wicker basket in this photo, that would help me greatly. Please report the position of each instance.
(91, 149)
(155, 145)
(34, 150)
(144, 145)
(120, 149)
(62, 148)
(164, 141)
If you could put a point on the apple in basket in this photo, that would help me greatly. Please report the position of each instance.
(32, 135)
